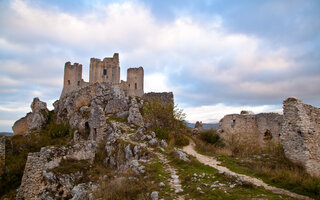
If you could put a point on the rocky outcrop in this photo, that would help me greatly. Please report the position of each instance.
(300, 136)
(135, 116)
(88, 108)
(2, 153)
(34, 121)
(263, 126)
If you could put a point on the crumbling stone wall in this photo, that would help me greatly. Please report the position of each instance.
(107, 70)
(165, 97)
(300, 136)
(135, 81)
(2, 153)
(263, 126)
(37, 178)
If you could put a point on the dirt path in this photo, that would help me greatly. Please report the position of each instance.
(212, 162)
(174, 182)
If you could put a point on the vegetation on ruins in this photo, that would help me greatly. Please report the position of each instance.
(18, 147)
(244, 154)
(167, 121)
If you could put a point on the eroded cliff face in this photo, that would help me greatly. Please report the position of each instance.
(300, 136)
(34, 120)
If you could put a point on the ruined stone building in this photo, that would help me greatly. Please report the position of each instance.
(297, 130)
(263, 126)
(103, 71)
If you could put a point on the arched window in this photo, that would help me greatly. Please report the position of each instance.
(68, 82)
(135, 86)
(104, 72)
(78, 83)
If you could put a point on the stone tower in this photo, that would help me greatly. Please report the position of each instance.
(72, 77)
(107, 71)
(135, 81)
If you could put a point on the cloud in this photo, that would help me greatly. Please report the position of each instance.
(213, 114)
(210, 58)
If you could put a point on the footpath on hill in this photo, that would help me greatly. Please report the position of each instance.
(212, 162)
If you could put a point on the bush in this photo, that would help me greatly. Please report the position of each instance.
(181, 140)
(166, 120)
(212, 137)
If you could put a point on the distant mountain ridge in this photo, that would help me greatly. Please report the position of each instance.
(6, 133)
(214, 126)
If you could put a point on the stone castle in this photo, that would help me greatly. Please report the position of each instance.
(103, 71)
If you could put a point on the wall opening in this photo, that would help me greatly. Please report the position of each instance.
(68, 82)
(78, 83)
(233, 122)
(135, 86)
(86, 130)
(94, 134)
(104, 72)
(129, 85)
(267, 135)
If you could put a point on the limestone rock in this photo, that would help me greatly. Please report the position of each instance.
(33, 121)
(135, 116)
(181, 155)
(153, 142)
(300, 135)
(155, 195)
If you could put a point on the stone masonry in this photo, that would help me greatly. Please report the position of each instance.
(103, 71)
(301, 134)
(264, 126)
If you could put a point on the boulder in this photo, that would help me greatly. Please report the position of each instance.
(33, 121)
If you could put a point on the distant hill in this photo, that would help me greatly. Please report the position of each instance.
(205, 125)
(6, 133)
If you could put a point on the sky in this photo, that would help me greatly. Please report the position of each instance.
(217, 56)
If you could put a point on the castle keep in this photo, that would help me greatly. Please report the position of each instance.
(103, 71)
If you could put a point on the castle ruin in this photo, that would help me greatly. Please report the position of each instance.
(103, 71)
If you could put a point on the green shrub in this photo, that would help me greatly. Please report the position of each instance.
(212, 137)
(68, 166)
(181, 140)
(166, 120)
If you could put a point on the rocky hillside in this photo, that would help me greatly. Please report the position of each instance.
(98, 143)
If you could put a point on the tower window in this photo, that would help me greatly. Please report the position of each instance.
(68, 82)
(233, 122)
(135, 86)
(104, 72)
(78, 83)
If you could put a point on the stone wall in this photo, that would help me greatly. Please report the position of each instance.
(301, 134)
(72, 77)
(165, 97)
(2, 153)
(263, 126)
(135, 81)
(103, 71)
(107, 70)
(37, 178)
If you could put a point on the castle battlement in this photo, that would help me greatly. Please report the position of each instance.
(103, 71)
